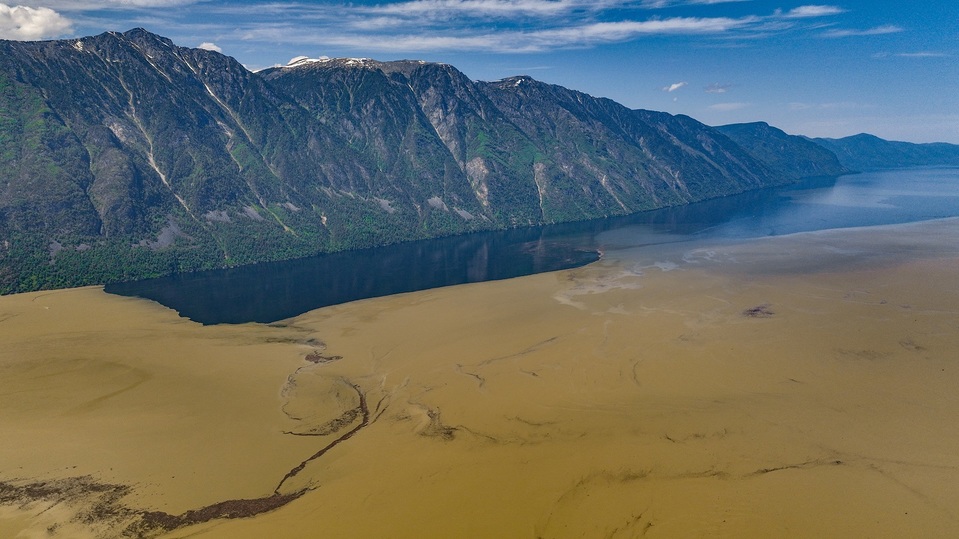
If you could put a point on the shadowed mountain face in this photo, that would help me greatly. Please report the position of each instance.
(123, 156)
(867, 152)
(791, 154)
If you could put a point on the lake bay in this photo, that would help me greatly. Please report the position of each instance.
(273, 291)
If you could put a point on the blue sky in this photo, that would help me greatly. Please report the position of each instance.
(820, 69)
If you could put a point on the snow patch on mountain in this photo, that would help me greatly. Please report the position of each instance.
(304, 60)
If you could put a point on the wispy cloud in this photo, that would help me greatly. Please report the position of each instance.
(28, 23)
(417, 26)
(485, 8)
(923, 54)
(86, 5)
(515, 25)
(876, 31)
(674, 86)
(804, 12)
(507, 40)
(660, 4)
(624, 30)
(717, 88)
(146, 3)
(919, 54)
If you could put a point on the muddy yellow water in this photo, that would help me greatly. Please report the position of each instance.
(796, 386)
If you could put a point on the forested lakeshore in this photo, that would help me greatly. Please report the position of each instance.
(29, 262)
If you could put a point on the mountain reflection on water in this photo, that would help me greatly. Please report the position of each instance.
(274, 291)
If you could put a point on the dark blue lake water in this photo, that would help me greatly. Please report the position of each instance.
(274, 291)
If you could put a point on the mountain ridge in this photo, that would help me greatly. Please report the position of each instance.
(124, 156)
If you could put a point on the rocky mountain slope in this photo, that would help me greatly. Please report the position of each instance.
(125, 156)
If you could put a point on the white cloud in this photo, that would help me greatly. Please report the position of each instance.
(877, 31)
(802, 12)
(27, 23)
(206, 45)
(728, 107)
(674, 86)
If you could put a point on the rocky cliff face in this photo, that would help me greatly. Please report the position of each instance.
(124, 156)
(595, 157)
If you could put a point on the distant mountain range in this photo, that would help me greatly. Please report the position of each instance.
(123, 156)
(867, 152)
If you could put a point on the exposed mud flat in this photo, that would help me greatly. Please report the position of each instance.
(799, 386)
